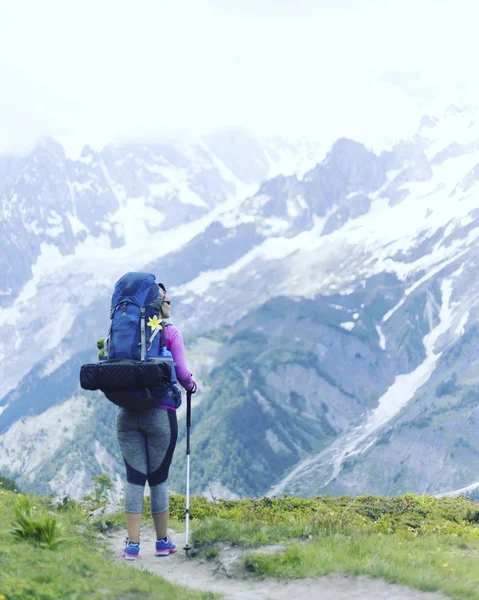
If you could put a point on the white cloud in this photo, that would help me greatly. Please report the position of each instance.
(94, 71)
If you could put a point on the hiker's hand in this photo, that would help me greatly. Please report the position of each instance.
(194, 388)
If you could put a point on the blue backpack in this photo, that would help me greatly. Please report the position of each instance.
(137, 371)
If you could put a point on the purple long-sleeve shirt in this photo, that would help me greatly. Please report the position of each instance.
(174, 343)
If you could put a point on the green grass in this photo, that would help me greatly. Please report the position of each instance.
(79, 568)
(420, 541)
(429, 563)
(428, 543)
(237, 533)
(408, 515)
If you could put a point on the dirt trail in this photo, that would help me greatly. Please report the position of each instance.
(223, 575)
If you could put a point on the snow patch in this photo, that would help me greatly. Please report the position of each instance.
(49, 256)
(52, 333)
(349, 325)
(297, 159)
(404, 387)
(76, 225)
(430, 273)
(460, 492)
(275, 443)
(176, 186)
(461, 326)
(54, 363)
(382, 338)
(291, 208)
(54, 232)
(262, 402)
(34, 227)
(271, 249)
(134, 216)
(273, 226)
(54, 218)
(86, 160)
(79, 188)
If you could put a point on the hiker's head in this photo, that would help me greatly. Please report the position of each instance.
(165, 304)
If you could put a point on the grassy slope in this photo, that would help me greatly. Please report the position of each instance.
(419, 541)
(77, 569)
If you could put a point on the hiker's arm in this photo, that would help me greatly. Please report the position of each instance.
(177, 348)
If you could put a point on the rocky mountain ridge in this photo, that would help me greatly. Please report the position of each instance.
(322, 313)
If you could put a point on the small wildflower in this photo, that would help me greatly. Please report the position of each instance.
(445, 565)
(2, 597)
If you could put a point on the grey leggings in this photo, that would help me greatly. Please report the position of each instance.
(147, 441)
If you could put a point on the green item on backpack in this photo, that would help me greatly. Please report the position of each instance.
(101, 347)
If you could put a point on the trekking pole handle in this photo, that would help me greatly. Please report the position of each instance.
(188, 420)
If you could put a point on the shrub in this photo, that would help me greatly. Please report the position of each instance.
(8, 484)
(448, 387)
(407, 514)
(41, 530)
(99, 494)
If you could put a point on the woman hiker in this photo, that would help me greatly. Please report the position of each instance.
(147, 440)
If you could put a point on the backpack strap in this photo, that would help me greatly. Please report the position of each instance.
(164, 325)
(143, 334)
(106, 345)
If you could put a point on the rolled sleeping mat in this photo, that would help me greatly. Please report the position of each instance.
(121, 374)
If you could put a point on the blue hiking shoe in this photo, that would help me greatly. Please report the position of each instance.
(165, 547)
(131, 551)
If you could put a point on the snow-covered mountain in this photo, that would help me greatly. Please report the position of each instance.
(325, 305)
(70, 227)
(121, 194)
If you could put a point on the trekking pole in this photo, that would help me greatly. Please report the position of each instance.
(187, 512)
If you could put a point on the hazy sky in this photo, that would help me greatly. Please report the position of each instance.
(96, 70)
